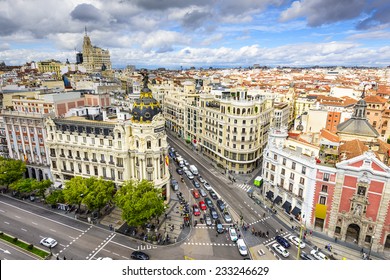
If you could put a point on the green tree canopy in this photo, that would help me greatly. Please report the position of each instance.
(75, 190)
(41, 186)
(24, 186)
(139, 202)
(56, 196)
(11, 171)
(100, 192)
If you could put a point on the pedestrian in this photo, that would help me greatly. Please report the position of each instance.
(267, 233)
(335, 240)
(311, 232)
(239, 236)
(58, 258)
(362, 251)
(64, 258)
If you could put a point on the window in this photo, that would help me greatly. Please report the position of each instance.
(148, 144)
(275, 157)
(272, 178)
(85, 156)
(159, 142)
(110, 143)
(293, 164)
(302, 181)
(292, 176)
(300, 192)
(54, 164)
(324, 188)
(322, 200)
(326, 176)
(273, 167)
(284, 161)
(101, 142)
(87, 168)
(95, 169)
(283, 171)
(79, 166)
(362, 190)
(120, 175)
(290, 187)
(119, 162)
(303, 169)
(84, 139)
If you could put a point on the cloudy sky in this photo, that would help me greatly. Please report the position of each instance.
(200, 33)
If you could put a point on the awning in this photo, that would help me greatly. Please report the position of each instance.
(270, 195)
(287, 206)
(277, 200)
(296, 211)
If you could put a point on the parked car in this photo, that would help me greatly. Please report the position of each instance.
(49, 242)
(195, 193)
(208, 202)
(213, 213)
(202, 192)
(174, 185)
(186, 163)
(242, 249)
(305, 256)
(227, 217)
(219, 226)
(297, 241)
(278, 248)
(201, 179)
(207, 219)
(207, 186)
(189, 175)
(220, 204)
(233, 234)
(318, 255)
(185, 169)
(196, 184)
(202, 205)
(195, 210)
(138, 255)
(282, 241)
(213, 195)
(179, 171)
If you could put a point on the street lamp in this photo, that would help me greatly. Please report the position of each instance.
(302, 227)
(369, 252)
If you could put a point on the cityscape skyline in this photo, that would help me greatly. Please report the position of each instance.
(176, 34)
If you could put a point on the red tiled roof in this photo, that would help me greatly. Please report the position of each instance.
(375, 99)
(329, 135)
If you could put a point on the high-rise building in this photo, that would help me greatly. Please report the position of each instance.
(94, 58)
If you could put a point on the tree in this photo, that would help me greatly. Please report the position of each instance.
(41, 186)
(75, 190)
(56, 196)
(11, 171)
(100, 193)
(23, 186)
(139, 202)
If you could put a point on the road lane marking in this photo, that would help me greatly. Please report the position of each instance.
(24, 229)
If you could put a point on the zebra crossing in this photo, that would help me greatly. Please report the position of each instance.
(244, 187)
(210, 244)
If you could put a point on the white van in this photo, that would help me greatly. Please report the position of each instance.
(194, 170)
(242, 247)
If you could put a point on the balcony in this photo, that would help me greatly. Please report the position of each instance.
(111, 162)
(62, 155)
(85, 159)
(94, 160)
(102, 161)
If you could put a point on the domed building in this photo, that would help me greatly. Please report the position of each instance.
(148, 146)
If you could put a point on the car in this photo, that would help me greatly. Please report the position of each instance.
(219, 226)
(189, 175)
(242, 249)
(227, 217)
(278, 248)
(220, 204)
(213, 213)
(195, 193)
(208, 202)
(49, 242)
(200, 178)
(179, 171)
(318, 255)
(297, 241)
(185, 169)
(174, 185)
(207, 186)
(202, 192)
(207, 219)
(172, 149)
(282, 241)
(196, 184)
(138, 255)
(233, 234)
(202, 205)
(195, 210)
(186, 163)
(213, 195)
(305, 256)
